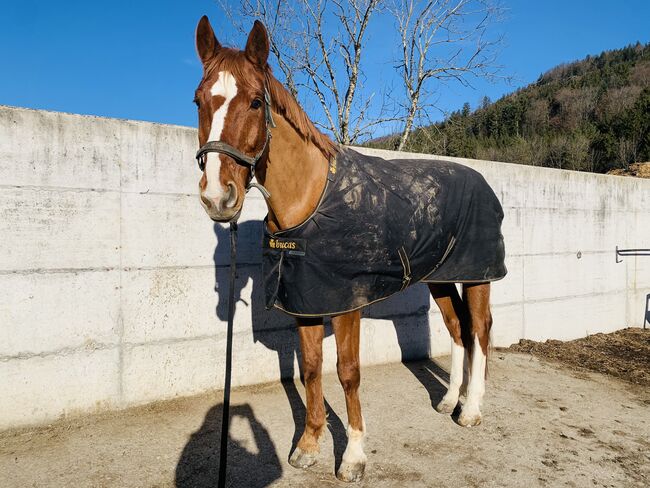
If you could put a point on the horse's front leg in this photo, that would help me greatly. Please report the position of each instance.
(311, 344)
(346, 330)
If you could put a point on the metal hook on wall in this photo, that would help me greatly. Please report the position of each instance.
(630, 252)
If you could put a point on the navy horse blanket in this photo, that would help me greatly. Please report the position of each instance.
(382, 225)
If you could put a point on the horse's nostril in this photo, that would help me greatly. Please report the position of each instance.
(232, 196)
(206, 201)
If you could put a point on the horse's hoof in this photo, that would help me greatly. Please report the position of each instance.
(351, 472)
(469, 419)
(446, 407)
(301, 459)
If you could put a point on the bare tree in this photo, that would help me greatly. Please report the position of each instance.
(319, 46)
(443, 40)
(336, 89)
(628, 150)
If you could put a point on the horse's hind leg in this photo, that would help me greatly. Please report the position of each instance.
(311, 344)
(455, 317)
(346, 331)
(477, 299)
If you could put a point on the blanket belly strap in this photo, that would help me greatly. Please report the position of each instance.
(407, 267)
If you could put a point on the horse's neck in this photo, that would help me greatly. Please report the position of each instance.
(294, 175)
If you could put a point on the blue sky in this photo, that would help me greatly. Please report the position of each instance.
(136, 59)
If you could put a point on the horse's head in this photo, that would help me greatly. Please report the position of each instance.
(234, 115)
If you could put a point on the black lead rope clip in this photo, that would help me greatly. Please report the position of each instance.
(254, 184)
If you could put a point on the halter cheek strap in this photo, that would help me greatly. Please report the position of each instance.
(239, 157)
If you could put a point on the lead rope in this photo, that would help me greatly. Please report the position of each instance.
(225, 420)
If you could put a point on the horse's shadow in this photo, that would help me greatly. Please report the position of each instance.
(413, 332)
(276, 330)
(198, 466)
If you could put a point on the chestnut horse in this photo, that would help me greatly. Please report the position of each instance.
(240, 105)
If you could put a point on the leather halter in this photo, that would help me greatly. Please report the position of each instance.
(239, 157)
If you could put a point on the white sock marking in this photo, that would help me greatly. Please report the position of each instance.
(225, 86)
(476, 387)
(354, 450)
(456, 373)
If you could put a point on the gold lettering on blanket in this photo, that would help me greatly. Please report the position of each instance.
(276, 244)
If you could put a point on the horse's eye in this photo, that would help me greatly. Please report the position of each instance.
(197, 102)
(257, 103)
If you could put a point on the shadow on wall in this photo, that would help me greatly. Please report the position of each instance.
(198, 466)
(276, 330)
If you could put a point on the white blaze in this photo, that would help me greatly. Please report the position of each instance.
(225, 86)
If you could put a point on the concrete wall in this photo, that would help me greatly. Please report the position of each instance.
(111, 274)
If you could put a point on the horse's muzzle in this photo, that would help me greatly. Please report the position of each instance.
(225, 207)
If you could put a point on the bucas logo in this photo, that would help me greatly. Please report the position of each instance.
(275, 244)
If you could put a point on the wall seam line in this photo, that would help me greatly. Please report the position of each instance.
(120, 315)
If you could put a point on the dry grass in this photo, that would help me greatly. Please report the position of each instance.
(638, 170)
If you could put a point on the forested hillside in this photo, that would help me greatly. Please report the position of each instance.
(589, 115)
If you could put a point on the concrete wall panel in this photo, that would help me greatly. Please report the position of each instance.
(49, 229)
(638, 308)
(171, 369)
(54, 149)
(639, 235)
(509, 289)
(570, 318)
(156, 304)
(114, 282)
(158, 158)
(590, 274)
(513, 231)
(46, 312)
(640, 269)
(165, 230)
(570, 230)
(42, 388)
(508, 324)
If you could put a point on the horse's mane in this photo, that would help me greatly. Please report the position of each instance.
(282, 101)
(285, 104)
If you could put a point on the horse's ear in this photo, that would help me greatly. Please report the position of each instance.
(206, 42)
(257, 46)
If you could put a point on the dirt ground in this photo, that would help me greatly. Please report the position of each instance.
(624, 354)
(545, 425)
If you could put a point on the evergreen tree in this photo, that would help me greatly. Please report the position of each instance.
(591, 115)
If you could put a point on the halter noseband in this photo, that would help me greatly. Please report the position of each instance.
(239, 157)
